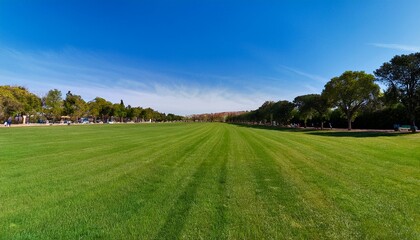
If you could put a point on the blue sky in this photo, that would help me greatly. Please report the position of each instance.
(190, 57)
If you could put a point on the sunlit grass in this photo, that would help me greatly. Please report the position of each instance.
(208, 181)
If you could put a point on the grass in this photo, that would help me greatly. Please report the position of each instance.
(207, 181)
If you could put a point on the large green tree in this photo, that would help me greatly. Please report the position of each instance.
(148, 114)
(99, 107)
(17, 100)
(350, 92)
(93, 109)
(105, 108)
(9, 102)
(120, 111)
(322, 108)
(312, 105)
(74, 106)
(53, 104)
(304, 105)
(282, 112)
(265, 112)
(402, 74)
(137, 113)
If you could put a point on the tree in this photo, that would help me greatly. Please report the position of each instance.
(147, 114)
(68, 104)
(311, 106)
(265, 112)
(402, 74)
(18, 101)
(53, 103)
(120, 111)
(80, 107)
(99, 107)
(137, 113)
(322, 108)
(74, 106)
(9, 104)
(32, 105)
(93, 109)
(304, 104)
(350, 92)
(282, 111)
(129, 113)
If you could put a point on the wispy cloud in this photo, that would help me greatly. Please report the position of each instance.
(90, 75)
(400, 47)
(304, 74)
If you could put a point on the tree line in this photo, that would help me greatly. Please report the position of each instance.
(352, 99)
(213, 117)
(18, 103)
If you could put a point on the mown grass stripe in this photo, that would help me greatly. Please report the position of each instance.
(207, 181)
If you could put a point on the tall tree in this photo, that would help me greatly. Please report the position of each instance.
(9, 104)
(312, 105)
(322, 108)
(282, 111)
(80, 107)
(350, 92)
(74, 106)
(304, 104)
(148, 114)
(68, 104)
(129, 113)
(93, 109)
(100, 107)
(120, 111)
(265, 112)
(53, 104)
(403, 74)
(137, 113)
(18, 101)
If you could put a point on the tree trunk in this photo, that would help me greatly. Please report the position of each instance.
(413, 126)
(349, 124)
(322, 125)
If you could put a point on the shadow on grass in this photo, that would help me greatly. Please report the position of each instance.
(282, 129)
(329, 133)
(362, 134)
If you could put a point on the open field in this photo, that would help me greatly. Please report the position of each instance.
(208, 181)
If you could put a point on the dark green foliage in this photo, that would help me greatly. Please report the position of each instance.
(270, 111)
(312, 106)
(120, 111)
(282, 112)
(304, 106)
(382, 119)
(402, 75)
(74, 106)
(351, 92)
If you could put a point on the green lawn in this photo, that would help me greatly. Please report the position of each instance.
(207, 181)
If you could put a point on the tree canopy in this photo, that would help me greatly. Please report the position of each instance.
(53, 104)
(350, 92)
(16, 101)
(402, 75)
(310, 106)
(352, 96)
